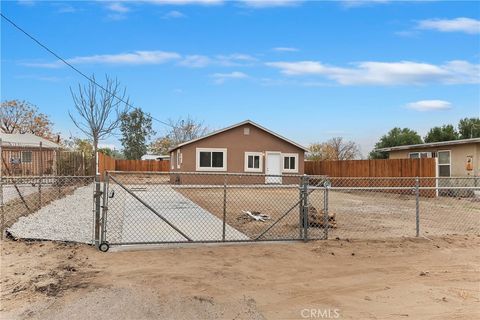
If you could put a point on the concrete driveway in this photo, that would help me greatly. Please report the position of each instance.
(129, 221)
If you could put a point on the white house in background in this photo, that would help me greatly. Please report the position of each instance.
(155, 157)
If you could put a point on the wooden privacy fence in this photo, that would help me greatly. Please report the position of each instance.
(107, 163)
(424, 167)
(396, 173)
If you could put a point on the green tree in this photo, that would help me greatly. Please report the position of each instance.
(443, 133)
(136, 128)
(469, 128)
(111, 152)
(395, 137)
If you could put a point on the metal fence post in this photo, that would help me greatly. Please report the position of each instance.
(224, 207)
(305, 208)
(2, 211)
(300, 209)
(41, 176)
(104, 209)
(325, 211)
(96, 196)
(417, 206)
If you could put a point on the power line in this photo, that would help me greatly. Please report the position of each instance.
(73, 67)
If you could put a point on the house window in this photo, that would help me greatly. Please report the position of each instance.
(417, 155)
(444, 163)
(210, 159)
(26, 156)
(290, 162)
(172, 160)
(253, 162)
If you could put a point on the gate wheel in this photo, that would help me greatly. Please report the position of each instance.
(104, 246)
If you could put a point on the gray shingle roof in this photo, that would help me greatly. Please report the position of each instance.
(26, 140)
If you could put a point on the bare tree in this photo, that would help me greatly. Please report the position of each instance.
(334, 149)
(182, 130)
(99, 110)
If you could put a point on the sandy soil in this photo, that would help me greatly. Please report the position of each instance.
(394, 279)
(359, 214)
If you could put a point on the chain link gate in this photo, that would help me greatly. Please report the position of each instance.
(159, 208)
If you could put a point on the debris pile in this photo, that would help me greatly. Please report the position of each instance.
(255, 215)
(316, 219)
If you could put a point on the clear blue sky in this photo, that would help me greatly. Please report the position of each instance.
(307, 70)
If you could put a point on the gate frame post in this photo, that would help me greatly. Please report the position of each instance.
(96, 197)
(304, 204)
(417, 206)
(103, 218)
(224, 226)
(326, 186)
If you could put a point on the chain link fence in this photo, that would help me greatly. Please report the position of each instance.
(46, 201)
(142, 208)
(213, 207)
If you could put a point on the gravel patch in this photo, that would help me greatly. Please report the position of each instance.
(66, 219)
(10, 193)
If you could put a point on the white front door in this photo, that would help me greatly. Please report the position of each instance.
(273, 167)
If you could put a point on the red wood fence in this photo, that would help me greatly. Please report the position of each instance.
(424, 167)
(396, 173)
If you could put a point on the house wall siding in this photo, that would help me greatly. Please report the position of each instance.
(458, 156)
(237, 143)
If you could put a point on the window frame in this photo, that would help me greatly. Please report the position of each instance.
(172, 160)
(253, 154)
(290, 155)
(449, 164)
(211, 150)
(22, 157)
(419, 153)
(179, 158)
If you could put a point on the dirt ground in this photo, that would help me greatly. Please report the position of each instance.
(359, 214)
(345, 279)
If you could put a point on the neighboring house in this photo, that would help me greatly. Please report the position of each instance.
(242, 148)
(155, 157)
(27, 154)
(455, 158)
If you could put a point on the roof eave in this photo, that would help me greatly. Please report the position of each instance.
(235, 126)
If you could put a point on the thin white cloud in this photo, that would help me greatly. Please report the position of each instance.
(259, 4)
(235, 59)
(153, 57)
(429, 105)
(466, 25)
(181, 2)
(117, 7)
(386, 73)
(231, 60)
(195, 61)
(133, 58)
(27, 3)
(222, 77)
(285, 49)
(174, 14)
(362, 3)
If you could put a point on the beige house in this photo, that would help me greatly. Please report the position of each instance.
(245, 147)
(457, 158)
